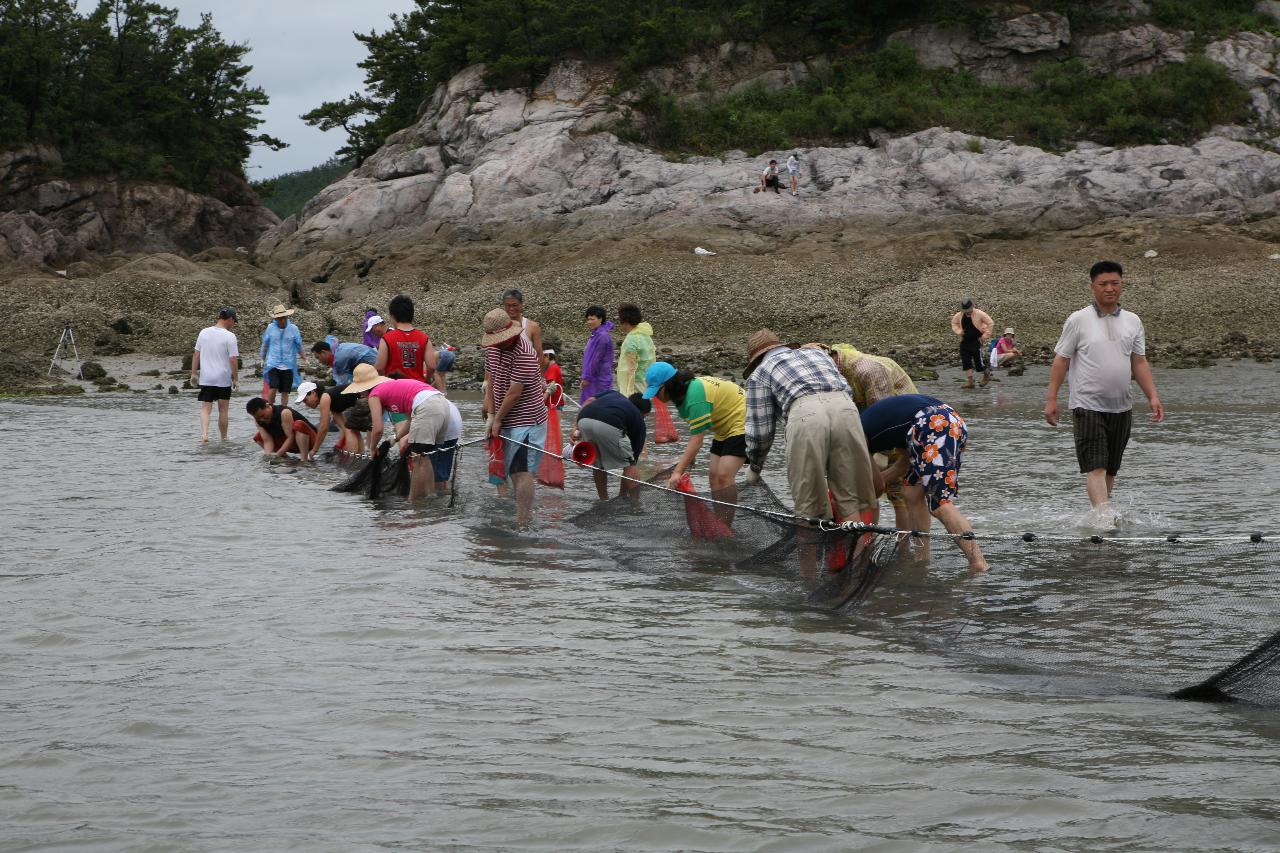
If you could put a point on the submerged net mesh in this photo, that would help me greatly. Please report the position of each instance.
(1190, 619)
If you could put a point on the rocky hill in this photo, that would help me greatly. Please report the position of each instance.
(45, 219)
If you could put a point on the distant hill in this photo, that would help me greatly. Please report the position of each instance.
(286, 195)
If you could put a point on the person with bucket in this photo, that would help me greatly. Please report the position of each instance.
(615, 428)
(707, 404)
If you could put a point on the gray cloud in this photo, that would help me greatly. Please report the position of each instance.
(303, 53)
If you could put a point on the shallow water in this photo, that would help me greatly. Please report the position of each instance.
(201, 651)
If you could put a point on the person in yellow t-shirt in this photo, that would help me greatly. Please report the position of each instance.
(707, 404)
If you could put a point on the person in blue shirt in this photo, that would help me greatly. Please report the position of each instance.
(281, 346)
(934, 437)
(616, 427)
(341, 359)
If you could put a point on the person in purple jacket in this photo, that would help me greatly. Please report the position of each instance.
(597, 358)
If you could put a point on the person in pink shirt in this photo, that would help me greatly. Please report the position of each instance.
(431, 418)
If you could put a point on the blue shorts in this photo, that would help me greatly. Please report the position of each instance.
(935, 444)
(446, 360)
(442, 459)
(518, 458)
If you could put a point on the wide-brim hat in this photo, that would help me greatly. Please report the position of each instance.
(759, 345)
(364, 377)
(658, 374)
(498, 328)
(280, 311)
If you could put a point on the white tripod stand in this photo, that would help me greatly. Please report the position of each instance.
(67, 340)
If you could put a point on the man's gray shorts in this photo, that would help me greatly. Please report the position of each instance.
(613, 448)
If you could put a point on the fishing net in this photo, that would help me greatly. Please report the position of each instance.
(1191, 620)
(381, 475)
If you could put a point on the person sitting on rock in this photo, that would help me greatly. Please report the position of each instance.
(769, 177)
(281, 430)
(342, 358)
(1006, 352)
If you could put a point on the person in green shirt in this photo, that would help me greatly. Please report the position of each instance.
(638, 351)
(707, 404)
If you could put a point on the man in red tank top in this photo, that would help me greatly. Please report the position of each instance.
(405, 352)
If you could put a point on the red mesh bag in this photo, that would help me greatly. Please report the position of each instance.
(664, 428)
(703, 521)
(551, 469)
(497, 467)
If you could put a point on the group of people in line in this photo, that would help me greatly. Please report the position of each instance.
(856, 427)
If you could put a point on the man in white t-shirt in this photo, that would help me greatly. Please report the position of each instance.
(215, 367)
(1103, 348)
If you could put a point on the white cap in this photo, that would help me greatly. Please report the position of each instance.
(548, 352)
(1009, 331)
(373, 321)
(304, 389)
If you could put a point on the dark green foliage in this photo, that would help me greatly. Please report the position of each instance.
(287, 194)
(519, 39)
(124, 89)
(1209, 18)
(888, 89)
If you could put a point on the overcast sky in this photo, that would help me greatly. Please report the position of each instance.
(303, 53)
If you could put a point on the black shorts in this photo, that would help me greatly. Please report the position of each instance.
(971, 356)
(519, 462)
(280, 379)
(734, 445)
(441, 456)
(1100, 438)
(209, 393)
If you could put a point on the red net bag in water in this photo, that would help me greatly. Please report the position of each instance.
(664, 429)
(839, 553)
(497, 467)
(551, 469)
(703, 521)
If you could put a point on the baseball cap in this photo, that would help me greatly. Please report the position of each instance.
(304, 389)
(654, 378)
(373, 321)
(227, 313)
(1009, 331)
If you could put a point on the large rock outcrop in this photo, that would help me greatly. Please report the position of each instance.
(46, 219)
(511, 167)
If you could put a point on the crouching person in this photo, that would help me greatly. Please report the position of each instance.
(281, 430)
(616, 427)
(934, 437)
(431, 427)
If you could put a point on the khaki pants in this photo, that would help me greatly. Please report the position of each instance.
(827, 450)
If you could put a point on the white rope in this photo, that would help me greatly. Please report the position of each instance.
(858, 527)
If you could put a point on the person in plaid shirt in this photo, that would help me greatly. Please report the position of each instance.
(826, 449)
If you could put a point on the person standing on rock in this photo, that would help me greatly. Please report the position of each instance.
(281, 346)
(1102, 349)
(973, 325)
(637, 352)
(516, 396)
(215, 368)
(405, 352)
(597, 357)
(793, 172)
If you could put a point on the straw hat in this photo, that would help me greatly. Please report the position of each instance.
(364, 377)
(280, 311)
(498, 328)
(758, 345)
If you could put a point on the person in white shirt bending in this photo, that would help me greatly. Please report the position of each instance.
(215, 368)
(1103, 348)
